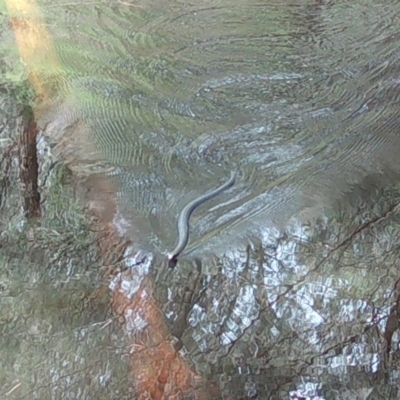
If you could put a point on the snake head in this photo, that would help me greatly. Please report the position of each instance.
(172, 260)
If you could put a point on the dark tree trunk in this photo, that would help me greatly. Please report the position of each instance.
(29, 169)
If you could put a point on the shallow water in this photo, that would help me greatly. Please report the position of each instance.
(301, 98)
(164, 99)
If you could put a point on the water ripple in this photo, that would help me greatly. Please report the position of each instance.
(301, 98)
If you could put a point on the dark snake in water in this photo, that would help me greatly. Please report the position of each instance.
(183, 220)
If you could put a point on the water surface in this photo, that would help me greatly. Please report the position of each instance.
(164, 99)
(301, 98)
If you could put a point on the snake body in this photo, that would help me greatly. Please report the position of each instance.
(183, 220)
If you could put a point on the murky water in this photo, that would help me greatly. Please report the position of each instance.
(165, 99)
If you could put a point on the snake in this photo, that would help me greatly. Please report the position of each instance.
(184, 217)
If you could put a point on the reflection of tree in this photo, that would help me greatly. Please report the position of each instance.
(29, 164)
(5, 170)
(52, 323)
(392, 322)
(319, 308)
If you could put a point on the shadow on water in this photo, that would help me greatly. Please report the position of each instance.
(289, 286)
